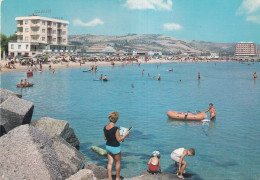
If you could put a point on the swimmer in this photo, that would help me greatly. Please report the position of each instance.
(100, 78)
(198, 75)
(255, 75)
(149, 75)
(143, 72)
(159, 77)
(105, 78)
(180, 81)
(154, 77)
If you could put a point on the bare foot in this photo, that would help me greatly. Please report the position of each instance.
(180, 176)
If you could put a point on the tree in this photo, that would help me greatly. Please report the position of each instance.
(5, 40)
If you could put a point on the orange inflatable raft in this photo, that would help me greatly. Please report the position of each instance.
(22, 85)
(29, 73)
(186, 115)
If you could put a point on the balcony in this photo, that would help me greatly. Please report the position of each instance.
(49, 26)
(35, 25)
(19, 33)
(19, 25)
(35, 33)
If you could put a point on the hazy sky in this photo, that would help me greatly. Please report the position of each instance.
(205, 20)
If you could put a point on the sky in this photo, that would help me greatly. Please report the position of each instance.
(204, 20)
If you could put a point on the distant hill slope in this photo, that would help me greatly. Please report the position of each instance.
(153, 42)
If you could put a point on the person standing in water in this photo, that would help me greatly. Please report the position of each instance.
(255, 75)
(212, 112)
(159, 77)
(198, 75)
(100, 78)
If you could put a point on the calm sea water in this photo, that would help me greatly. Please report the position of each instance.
(228, 148)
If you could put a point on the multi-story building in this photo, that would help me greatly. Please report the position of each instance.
(245, 49)
(40, 35)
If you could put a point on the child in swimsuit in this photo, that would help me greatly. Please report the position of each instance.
(154, 162)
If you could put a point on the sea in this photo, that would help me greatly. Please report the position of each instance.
(228, 148)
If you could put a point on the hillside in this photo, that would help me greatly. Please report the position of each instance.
(153, 42)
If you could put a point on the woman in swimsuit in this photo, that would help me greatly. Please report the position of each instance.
(111, 134)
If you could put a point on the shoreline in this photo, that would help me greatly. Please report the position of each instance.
(73, 65)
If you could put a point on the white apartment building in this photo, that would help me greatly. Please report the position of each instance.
(245, 49)
(40, 35)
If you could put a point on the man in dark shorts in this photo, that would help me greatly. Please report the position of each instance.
(212, 112)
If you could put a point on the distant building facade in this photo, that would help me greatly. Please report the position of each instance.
(40, 35)
(245, 49)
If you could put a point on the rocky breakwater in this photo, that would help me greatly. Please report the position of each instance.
(45, 149)
(14, 111)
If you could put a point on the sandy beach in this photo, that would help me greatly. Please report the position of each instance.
(66, 65)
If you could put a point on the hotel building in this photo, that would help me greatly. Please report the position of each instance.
(40, 35)
(245, 49)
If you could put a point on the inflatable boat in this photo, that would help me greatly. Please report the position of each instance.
(22, 85)
(29, 73)
(186, 115)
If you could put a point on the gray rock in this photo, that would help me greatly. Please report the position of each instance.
(54, 127)
(5, 94)
(83, 174)
(14, 112)
(71, 159)
(28, 153)
(99, 171)
(159, 176)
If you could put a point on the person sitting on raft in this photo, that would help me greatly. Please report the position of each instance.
(255, 75)
(212, 112)
(100, 78)
(105, 78)
(154, 163)
(25, 82)
(21, 83)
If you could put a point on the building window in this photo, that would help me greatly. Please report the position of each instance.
(27, 46)
(43, 30)
(64, 25)
(64, 32)
(54, 32)
(54, 24)
(43, 22)
(43, 38)
(26, 39)
(64, 40)
(26, 22)
(54, 40)
(19, 46)
(12, 46)
(26, 30)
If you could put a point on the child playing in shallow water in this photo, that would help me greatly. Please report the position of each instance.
(154, 162)
(178, 155)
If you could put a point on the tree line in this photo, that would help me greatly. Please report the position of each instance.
(4, 42)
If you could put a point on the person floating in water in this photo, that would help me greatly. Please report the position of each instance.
(178, 155)
(255, 75)
(105, 78)
(212, 112)
(154, 77)
(159, 77)
(100, 78)
(180, 81)
(154, 163)
(198, 75)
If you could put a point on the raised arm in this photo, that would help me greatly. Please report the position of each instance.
(118, 138)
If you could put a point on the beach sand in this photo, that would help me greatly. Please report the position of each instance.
(65, 65)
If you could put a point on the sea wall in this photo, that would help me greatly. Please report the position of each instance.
(46, 148)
